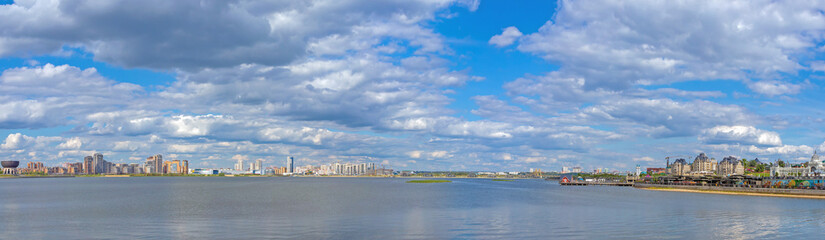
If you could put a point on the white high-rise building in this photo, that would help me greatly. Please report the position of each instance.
(239, 165)
(290, 164)
(638, 170)
(259, 165)
(565, 170)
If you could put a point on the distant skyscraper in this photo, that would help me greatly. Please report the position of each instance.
(638, 170)
(290, 164)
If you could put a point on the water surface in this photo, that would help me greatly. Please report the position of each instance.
(385, 208)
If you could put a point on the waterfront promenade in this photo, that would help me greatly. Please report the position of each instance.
(736, 190)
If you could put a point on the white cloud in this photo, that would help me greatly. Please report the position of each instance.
(72, 143)
(649, 42)
(506, 38)
(204, 34)
(439, 154)
(746, 135)
(644, 159)
(16, 141)
(774, 88)
(668, 118)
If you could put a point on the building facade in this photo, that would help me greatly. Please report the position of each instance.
(679, 167)
(730, 166)
(703, 165)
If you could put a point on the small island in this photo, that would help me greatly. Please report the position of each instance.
(429, 181)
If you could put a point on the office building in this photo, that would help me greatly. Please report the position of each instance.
(290, 164)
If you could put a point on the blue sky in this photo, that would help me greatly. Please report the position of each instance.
(460, 85)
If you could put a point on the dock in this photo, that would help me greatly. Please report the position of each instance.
(584, 183)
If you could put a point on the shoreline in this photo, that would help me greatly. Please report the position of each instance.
(229, 175)
(729, 192)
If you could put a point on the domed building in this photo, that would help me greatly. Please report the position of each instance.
(816, 164)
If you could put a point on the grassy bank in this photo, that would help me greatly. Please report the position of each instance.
(503, 180)
(429, 181)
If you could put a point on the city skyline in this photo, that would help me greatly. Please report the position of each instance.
(425, 85)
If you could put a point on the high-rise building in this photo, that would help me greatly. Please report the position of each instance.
(290, 164)
(239, 165)
(156, 163)
(88, 168)
(259, 165)
(638, 170)
(98, 163)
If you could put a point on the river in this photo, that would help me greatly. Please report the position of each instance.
(385, 208)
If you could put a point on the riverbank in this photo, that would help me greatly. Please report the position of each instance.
(759, 192)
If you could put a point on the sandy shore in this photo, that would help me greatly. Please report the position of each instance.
(735, 193)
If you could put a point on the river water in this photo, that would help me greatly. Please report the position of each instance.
(385, 208)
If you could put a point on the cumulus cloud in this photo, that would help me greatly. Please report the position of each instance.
(199, 34)
(506, 38)
(746, 135)
(45, 96)
(16, 141)
(72, 143)
(668, 118)
(647, 42)
(774, 88)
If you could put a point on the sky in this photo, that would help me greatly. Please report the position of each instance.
(412, 84)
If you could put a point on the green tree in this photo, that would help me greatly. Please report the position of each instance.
(759, 168)
(780, 163)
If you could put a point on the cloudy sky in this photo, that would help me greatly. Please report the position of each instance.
(412, 84)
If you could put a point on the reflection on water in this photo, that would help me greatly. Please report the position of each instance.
(366, 208)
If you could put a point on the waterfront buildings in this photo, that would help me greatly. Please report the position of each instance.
(176, 166)
(730, 166)
(98, 163)
(656, 170)
(290, 164)
(258, 165)
(154, 164)
(703, 165)
(679, 167)
(814, 167)
(239, 165)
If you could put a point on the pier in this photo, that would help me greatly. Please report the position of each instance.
(594, 183)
